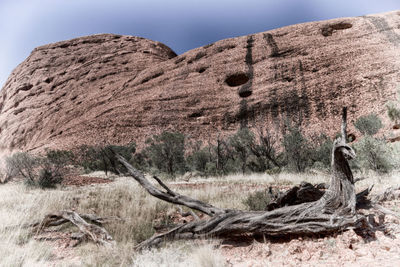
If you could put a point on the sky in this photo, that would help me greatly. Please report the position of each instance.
(180, 24)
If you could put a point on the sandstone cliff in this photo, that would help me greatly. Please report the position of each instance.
(117, 89)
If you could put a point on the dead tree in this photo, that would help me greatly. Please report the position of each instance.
(334, 211)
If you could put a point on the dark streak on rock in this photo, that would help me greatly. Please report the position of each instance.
(274, 47)
(246, 90)
(381, 25)
(271, 42)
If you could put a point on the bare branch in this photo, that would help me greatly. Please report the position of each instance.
(172, 193)
(169, 196)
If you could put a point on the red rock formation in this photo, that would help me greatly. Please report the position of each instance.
(117, 89)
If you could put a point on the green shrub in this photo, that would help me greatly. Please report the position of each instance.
(258, 200)
(393, 112)
(140, 161)
(223, 157)
(321, 153)
(166, 152)
(44, 172)
(88, 157)
(240, 144)
(264, 156)
(59, 158)
(22, 165)
(374, 154)
(110, 162)
(297, 150)
(199, 160)
(53, 168)
(49, 178)
(368, 124)
(211, 169)
(102, 158)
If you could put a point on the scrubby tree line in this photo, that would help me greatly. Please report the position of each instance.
(172, 153)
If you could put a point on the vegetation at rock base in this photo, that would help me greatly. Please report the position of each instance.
(374, 153)
(93, 158)
(246, 151)
(166, 152)
(369, 124)
(43, 171)
(393, 110)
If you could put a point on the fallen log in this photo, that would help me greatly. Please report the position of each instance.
(334, 211)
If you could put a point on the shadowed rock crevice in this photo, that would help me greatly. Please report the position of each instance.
(196, 114)
(197, 57)
(328, 30)
(236, 79)
(151, 77)
(202, 69)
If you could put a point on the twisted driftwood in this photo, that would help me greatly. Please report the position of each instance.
(334, 211)
(93, 230)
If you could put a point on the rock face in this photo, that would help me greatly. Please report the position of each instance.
(117, 89)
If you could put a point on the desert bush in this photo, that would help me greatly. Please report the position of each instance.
(102, 158)
(42, 171)
(166, 152)
(110, 161)
(264, 155)
(223, 157)
(321, 152)
(393, 112)
(258, 200)
(374, 154)
(368, 124)
(297, 150)
(48, 179)
(240, 144)
(53, 168)
(140, 161)
(88, 157)
(22, 165)
(199, 159)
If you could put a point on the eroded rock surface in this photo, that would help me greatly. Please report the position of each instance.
(118, 89)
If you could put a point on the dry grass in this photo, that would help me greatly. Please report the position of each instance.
(139, 211)
(122, 198)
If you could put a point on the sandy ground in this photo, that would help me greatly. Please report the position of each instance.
(345, 249)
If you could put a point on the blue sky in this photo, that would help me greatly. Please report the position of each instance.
(182, 25)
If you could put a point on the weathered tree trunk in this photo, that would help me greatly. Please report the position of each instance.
(334, 211)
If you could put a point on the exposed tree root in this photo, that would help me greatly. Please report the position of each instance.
(92, 231)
